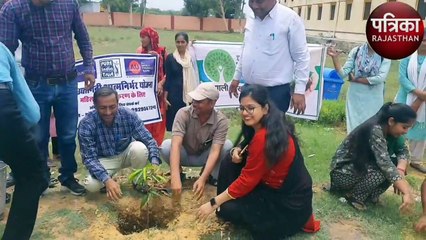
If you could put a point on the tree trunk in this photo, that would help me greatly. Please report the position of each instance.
(222, 10)
(131, 14)
(109, 14)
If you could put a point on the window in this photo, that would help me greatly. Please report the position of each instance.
(299, 11)
(348, 11)
(421, 8)
(367, 9)
(319, 12)
(332, 11)
(309, 13)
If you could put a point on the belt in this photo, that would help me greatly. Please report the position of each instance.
(53, 79)
(4, 86)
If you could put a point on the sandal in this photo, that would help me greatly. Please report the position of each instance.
(360, 206)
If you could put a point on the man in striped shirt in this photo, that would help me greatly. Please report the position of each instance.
(45, 28)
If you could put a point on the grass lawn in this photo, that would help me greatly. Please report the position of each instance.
(318, 142)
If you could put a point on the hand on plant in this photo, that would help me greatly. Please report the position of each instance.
(198, 188)
(421, 224)
(204, 211)
(113, 190)
(176, 185)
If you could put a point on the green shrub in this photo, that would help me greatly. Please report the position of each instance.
(332, 113)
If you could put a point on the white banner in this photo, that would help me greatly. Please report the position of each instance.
(133, 76)
(217, 62)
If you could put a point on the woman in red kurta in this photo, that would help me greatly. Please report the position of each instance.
(268, 189)
(150, 44)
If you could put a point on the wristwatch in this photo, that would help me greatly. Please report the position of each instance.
(212, 202)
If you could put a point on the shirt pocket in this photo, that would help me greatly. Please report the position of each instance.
(274, 42)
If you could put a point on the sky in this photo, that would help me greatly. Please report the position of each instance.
(174, 5)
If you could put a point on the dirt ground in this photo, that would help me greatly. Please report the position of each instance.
(64, 216)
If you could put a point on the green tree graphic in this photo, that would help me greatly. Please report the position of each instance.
(219, 66)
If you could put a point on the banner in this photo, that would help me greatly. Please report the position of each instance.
(133, 76)
(217, 61)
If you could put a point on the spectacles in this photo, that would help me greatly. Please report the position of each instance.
(249, 109)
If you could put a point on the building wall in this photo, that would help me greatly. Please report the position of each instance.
(340, 28)
(165, 22)
(157, 21)
(187, 23)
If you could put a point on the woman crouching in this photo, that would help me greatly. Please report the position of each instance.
(373, 157)
(269, 189)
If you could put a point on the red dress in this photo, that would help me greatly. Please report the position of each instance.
(158, 130)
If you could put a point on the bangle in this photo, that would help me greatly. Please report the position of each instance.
(232, 151)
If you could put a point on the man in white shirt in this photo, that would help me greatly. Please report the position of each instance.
(274, 54)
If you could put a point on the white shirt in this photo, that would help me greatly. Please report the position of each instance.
(275, 50)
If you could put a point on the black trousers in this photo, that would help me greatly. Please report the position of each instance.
(280, 96)
(18, 149)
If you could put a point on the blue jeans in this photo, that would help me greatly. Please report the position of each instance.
(63, 99)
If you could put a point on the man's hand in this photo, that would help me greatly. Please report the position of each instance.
(421, 224)
(233, 88)
(298, 103)
(176, 185)
(198, 188)
(89, 81)
(113, 190)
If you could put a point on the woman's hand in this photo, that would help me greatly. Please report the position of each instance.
(331, 51)
(407, 203)
(421, 224)
(204, 211)
(153, 52)
(236, 158)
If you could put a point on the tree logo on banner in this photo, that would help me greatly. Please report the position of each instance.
(219, 66)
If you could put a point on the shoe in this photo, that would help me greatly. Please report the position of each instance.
(419, 167)
(74, 187)
(10, 181)
(53, 182)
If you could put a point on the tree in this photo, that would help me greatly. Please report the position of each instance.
(197, 8)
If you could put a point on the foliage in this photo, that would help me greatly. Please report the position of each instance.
(332, 113)
(231, 8)
(150, 181)
(205, 8)
(120, 5)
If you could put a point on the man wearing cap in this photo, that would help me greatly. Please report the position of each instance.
(112, 138)
(198, 139)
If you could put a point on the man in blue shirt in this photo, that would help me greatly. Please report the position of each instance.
(18, 148)
(46, 29)
(112, 138)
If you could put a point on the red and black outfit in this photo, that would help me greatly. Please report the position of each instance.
(158, 130)
(272, 202)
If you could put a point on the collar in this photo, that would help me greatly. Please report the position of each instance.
(209, 121)
(272, 14)
(274, 11)
(117, 119)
